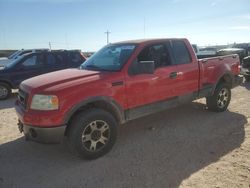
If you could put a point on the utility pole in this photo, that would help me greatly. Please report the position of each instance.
(107, 33)
(49, 45)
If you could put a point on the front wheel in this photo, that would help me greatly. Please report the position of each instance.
(93, 133)
(220, 100)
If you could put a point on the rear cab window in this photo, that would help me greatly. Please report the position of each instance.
(180, 52)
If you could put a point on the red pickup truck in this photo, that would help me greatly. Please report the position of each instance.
(121, 82)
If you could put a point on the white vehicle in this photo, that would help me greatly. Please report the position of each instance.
(208, 51)
(196, 48)
(4, 60)
(17, 54)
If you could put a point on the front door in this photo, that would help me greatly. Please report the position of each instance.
(145, 89)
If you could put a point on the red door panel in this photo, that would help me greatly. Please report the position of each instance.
(149, 88)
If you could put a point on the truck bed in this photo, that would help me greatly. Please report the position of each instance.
(211, 69)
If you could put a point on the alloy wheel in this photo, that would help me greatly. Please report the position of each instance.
(223, 98)
(95, 135)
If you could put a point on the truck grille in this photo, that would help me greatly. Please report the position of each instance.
(22, 98)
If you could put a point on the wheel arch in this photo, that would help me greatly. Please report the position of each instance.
(101, 102)
(7, 82)
(225, 78)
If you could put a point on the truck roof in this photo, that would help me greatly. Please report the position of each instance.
(140, 41)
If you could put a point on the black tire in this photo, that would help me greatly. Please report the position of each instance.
(220, 99)
(85, 140)
(5, 91)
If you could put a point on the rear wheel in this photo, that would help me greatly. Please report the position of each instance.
(92, 133)
(220, 99)
(5, 91)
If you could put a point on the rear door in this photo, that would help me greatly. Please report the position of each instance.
(53, 63)
(188, 70)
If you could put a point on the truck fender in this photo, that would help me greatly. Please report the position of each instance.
(107, 103)
(227, 77)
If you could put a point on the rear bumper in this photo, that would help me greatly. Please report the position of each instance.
(237, 81)
(43, 135)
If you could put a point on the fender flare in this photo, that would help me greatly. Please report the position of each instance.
(116, 108)
(228, 73)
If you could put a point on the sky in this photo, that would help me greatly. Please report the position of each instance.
(81, 24)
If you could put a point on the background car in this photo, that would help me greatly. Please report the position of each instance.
(227, 51)
(206, 52)
(18, 54)
(245, 67)
(34, 64)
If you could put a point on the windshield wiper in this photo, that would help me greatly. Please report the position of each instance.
(90, 66)
(95, 68)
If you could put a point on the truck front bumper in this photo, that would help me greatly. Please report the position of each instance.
(237, 81)
(42, 134)
(40, 127)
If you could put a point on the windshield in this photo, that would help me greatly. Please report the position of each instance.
(13, 55)
(12, 62)
(109, 58)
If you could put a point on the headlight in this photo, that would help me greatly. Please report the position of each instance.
(44, 102)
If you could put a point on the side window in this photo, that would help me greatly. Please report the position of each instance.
(157, 53)
(75, 58)
(62, 57)
(33, 61)
(181, 52)
(51, 60)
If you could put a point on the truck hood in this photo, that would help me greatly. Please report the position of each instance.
(60, 79)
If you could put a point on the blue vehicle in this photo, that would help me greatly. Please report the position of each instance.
(34, 64)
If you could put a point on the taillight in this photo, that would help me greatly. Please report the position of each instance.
(239, 68)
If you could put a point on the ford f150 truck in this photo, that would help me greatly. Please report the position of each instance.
(120, 82)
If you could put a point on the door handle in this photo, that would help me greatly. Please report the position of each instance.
(173, 75)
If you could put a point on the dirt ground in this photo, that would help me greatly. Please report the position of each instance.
(183, 147)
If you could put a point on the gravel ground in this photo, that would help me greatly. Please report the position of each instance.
(183, 147)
